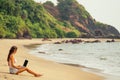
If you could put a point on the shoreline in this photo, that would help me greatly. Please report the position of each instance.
(50, 70)
(84, 68)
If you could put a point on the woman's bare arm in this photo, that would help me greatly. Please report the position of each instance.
(13, 61)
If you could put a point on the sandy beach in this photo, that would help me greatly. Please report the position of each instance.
(49, 69)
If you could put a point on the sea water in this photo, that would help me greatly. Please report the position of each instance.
(103, 56)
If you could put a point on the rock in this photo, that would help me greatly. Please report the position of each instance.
(60, 49)
(41, 52)
(57, 43)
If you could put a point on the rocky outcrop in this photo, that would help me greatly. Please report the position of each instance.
(75, 13)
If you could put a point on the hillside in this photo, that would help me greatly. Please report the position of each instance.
(28, 19)
(73, 12)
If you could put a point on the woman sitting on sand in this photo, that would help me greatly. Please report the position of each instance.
(17, 69)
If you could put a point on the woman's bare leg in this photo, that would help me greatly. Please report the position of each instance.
(29, 71)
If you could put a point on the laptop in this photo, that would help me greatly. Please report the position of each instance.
(25, 63)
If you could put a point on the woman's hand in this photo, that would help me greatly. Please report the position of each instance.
(19, 66)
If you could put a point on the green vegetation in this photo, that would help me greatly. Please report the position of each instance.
(26, 19)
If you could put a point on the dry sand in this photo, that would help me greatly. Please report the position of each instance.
(49, 69)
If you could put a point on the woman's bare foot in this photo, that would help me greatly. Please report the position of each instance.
(16, 73)
(37, 75)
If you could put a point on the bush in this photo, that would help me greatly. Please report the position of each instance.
(2, 32)
(10, 35)
(71, 35)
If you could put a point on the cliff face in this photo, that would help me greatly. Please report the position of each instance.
(75, 13)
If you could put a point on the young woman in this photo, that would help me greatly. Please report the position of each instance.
(17, 69)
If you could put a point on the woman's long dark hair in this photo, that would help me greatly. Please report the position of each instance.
(12, 49)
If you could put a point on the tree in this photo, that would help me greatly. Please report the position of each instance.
(24, 14)
(60, 33)
(2, 32)
(71, 35)
(49, 3)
